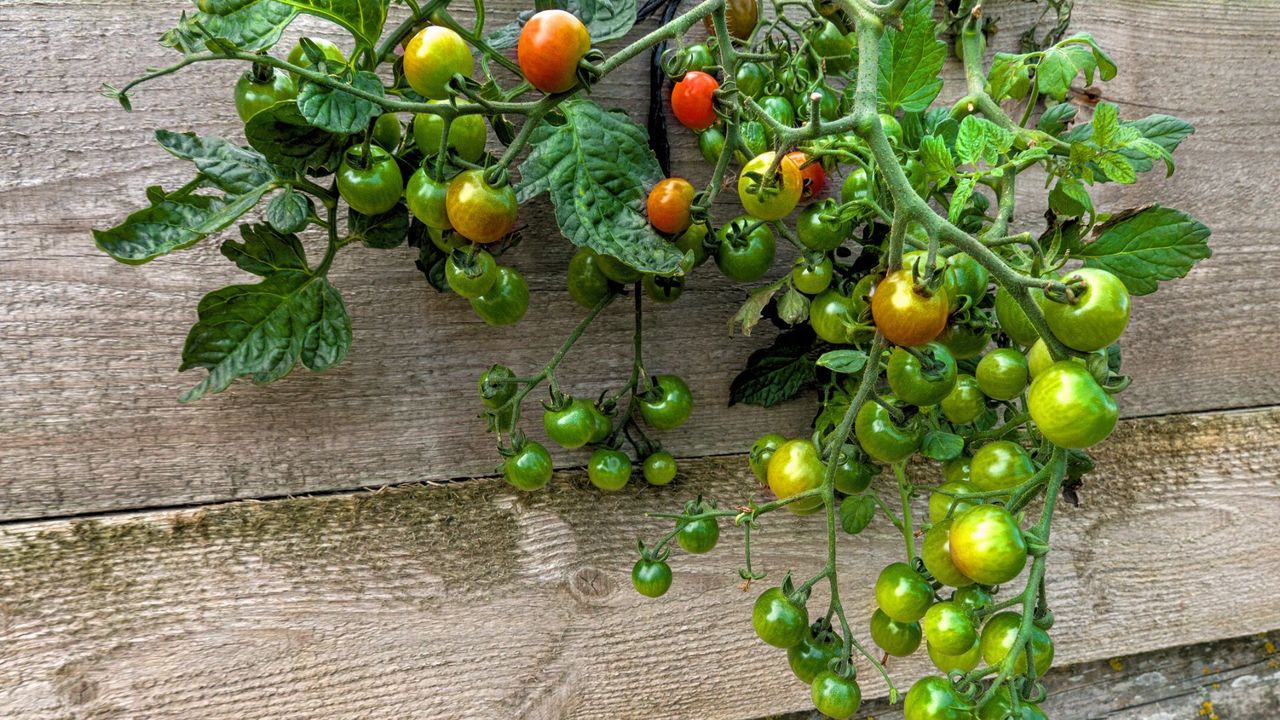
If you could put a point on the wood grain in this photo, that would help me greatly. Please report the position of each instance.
(1236, 678)
(471, 601)
(88, 413)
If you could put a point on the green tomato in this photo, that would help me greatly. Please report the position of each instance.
(603, 426)
(943, 504)
(745, 253)
(957, 469)
(1099, 315)
(252, 97)
(711, 145)
(1001, 465)
(506, 301)
(617, 270)
(496, 386)
(751, 78)
(835, 696)
(966, 402)
(609, 469)
(892, 128)
(467, 135)
(370, 187)
(828, 102)
(1000, 707)
(936, 553)
(779, 108)
(1070, 408)
(973, 597)
(833, 47)
(987, 545)
(812, 655)
(762, 452)
(912, 384)
(387, 131)
(693, 241)
(964, 662)
(699, 536)
(778, 620)
(811, 277)
(1013, 319)
(964, 341)
(432, 58)
(857, 186)
(818, 227)
(949, 628)
(425, 197)
(754, 141)
(1002, 373)
(529, 468)
(659, 468)
(852, 476)
(663, 289)
(471, 275)
(572, 425)
(999, 635)
(586, 282)
(670, 405)
(698, 57)
(881, 437)
(332, 53)
(965, 278)
(902, 593)
(896, 638)
(834, 317)
(933, 698)
(651, 578)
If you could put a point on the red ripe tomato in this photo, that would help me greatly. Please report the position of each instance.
(905, 316)
(812, 174)
(551, 45)
(669, 203)
(691, 100)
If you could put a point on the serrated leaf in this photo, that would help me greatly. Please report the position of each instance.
(843, 361)
(1151, 150)
(284, 136)
(1117, 168)
(856, 513)
(911, 59)
(1055, 119)
(751, 312)
(1148, 246)
(174, 221)
(338, 111)
(1060, 66)
(252, 26)
(960, 198)
(290, 211)
(227, 166)
(778, 372)
(605, 20)
(597, 167)
(385, 231)
(266, 251)
(1006, 68)
(1106, 124)
(981, 139)
(1070, 198)
(938, 445)
(362, 18)
(939, 166)
(263, 330)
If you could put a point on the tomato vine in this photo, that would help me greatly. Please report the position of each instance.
(929, 323)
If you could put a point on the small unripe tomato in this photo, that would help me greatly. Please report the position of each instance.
(770, 198)
(691, 100)
(478, 211)
(987, 544)
(668, 205)
(999, 634)
(434, 56)
(474, 276)
(934, 698)
(253, 97)
(835, 696)
(949, 628)
(467, 135)
(551, 45)
(651, 578)
(1098, 316)
(905, 316)
(966, 401)
(425, 197)
(778, 620)
(762, 452)
(899, 639)
(1002, 373)
(811, 277)
(1000, 465)
(609, 469)
(796, 467)
(506, 301)
(1071, 409)
(370, 186)
(659, 468)
(902, 593)
(936, 554)
(529, 468)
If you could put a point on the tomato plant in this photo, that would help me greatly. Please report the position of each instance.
(919, 308)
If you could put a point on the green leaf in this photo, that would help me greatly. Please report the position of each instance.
(960, 198)
(911, 59)
(284, 136)
(1070, 198)
(598, 166)
(1005, 70)
(229, 167)
(362, 18)
(252, 26)
(290, 211)
(938, 445)
(1117, 168)
(263, 330)
(384, 231)
(843, 361)
(431, 259)
(856, 513)
(793, 307)
(1060, 66)
(1147, 246)
(338, 111)
(751, 312)
(1055, 119)
(1106, 124)
(939, 166)
(605, 20)
(778, 372)
(265, 251)
(981, 139)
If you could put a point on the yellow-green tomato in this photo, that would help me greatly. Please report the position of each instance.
(796, 466)
(770, 196)
(999, 635)
(1070, 408)
(987, 544)
(467, 135)
(1000, 465)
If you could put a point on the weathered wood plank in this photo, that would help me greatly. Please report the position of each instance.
(1237, 678)
(88, 416)
(468, 600)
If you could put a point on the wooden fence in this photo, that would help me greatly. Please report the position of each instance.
(155, 560)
